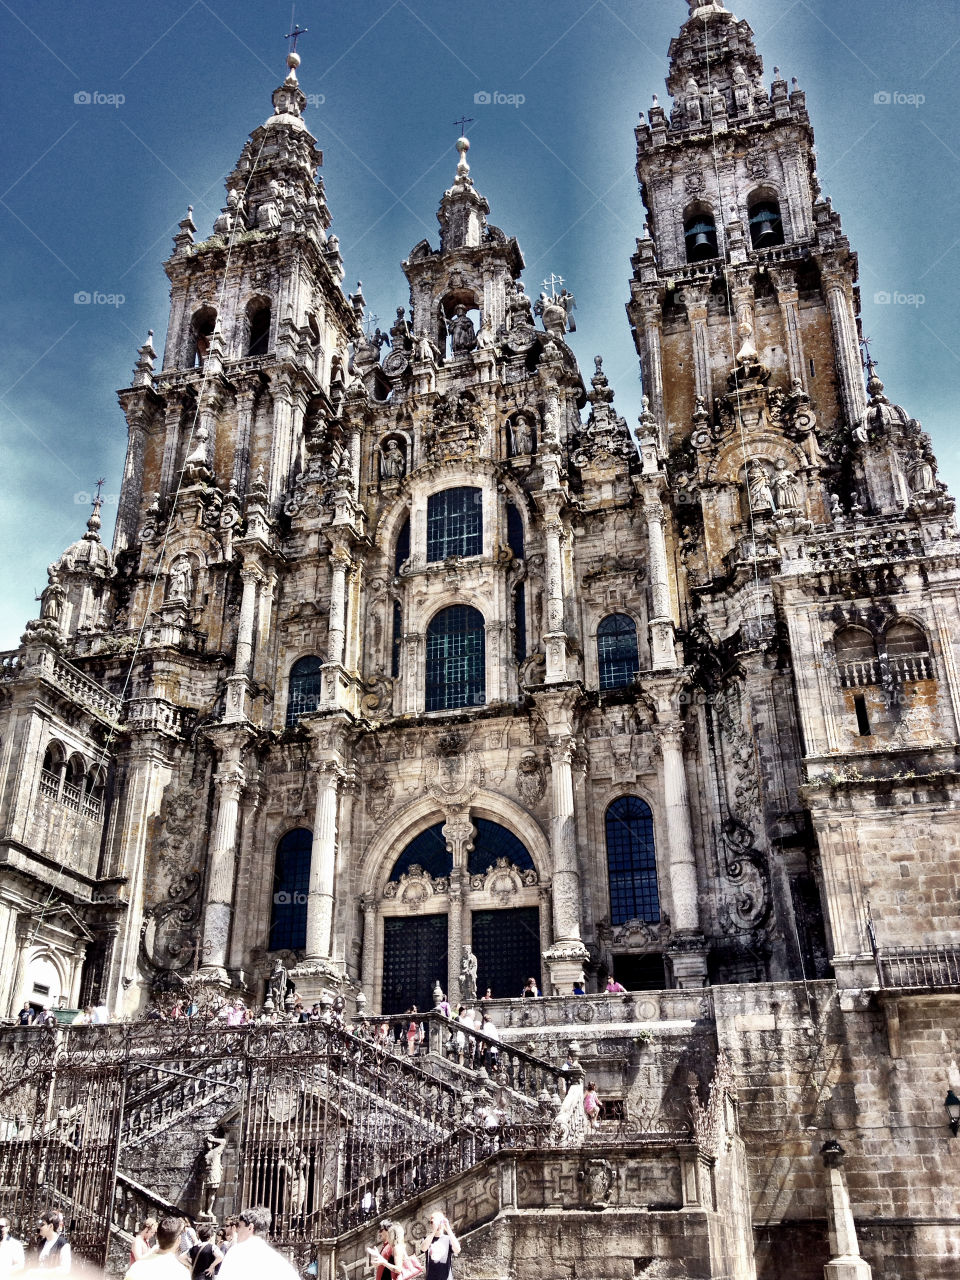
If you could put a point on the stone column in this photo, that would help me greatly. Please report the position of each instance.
(323, 860)
(694, 298)
(567, 953)
(846, 346)
(554, 639)
(282, 435)
(131, 491)
(340, 565)
(171, 446)
(459, 834)
(246, 398)
(218, 902)
(785, 283)
(368, 963)
(845, 1261)
(687, 949)
(663, 651)
(248, 611)
(653, 333)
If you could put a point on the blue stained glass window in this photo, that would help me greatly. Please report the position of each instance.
(291, 884)
(514, 530)
(454, 523)
(617, 655)
(631, 862)
(455, 659)
(305, 678)
(402, 551)
(428, 850)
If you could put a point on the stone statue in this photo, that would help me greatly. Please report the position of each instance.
(758, 482)
(268, 215)
(228, 215)
(51, 597)
(463, 336)
(553, 314)
(295, 1170)
(393, 465)
(212, 1171)
(181, 580)
(921, 474)
(521, 435)
(468, 976)
(423, 347)
(400, 331)
(518, 307)
(787, 489)
(277, 986)
(485, 338)
(836, 508)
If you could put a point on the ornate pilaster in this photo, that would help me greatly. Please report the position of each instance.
(788, 296)
(229, 782)
(694, 298)
(653, 350)
(368, 964)
(554, 638)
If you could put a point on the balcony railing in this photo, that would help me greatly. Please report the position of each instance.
(865, 671)
(919, 968)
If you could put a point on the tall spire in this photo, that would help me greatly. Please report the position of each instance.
(462, 212)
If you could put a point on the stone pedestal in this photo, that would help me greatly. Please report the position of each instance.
(845, 1263)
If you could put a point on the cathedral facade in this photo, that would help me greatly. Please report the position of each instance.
(407, 647)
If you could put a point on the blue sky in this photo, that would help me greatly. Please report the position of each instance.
(92, 192)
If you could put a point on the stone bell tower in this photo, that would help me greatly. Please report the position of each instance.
(745, 311)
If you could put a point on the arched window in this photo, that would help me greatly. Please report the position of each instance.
(764, 220)
(617, 655)
(93, 792)
(259, 320)
(72, 791)
(492, 842)
(631, 862)
(304, 697)
(427, 850)
(291, 884)
(454, 523)
(201, 329)
(402, 550)
(456, 662)
(52, 770)
(700, 235)
(905, 639)
(515, 530)
(854, 644)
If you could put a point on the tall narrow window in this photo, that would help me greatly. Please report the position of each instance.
(631, 862)
(520, 622)
(455, 659)
(514, 530)
(454, 524)
(291, 884)
(617, 655)
(259, 343)
(402, 550)
(397, 639)
(305, 678)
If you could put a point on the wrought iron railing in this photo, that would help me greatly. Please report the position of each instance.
(929, 968)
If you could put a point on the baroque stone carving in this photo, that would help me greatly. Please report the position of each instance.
(416, 886)
(530, 779)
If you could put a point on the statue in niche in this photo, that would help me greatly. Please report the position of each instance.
(787, 489)
(921, 474)
(268, 215)
(212, 1171)
(758, 485)
(51, 597)
(521, 435)
(393, 464)
(468, 976)
(181, 580)
(463, 336)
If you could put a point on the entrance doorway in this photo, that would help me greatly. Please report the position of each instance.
(507, 947)
(414, 958)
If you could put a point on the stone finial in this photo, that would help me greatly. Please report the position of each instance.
(147, 358)
(463, 169)
(184, 236)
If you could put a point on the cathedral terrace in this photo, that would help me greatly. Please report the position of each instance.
(432, 752)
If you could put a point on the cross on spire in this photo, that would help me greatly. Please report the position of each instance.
(295, 35)
(462, 123)
(553, 284)
(100, 483)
